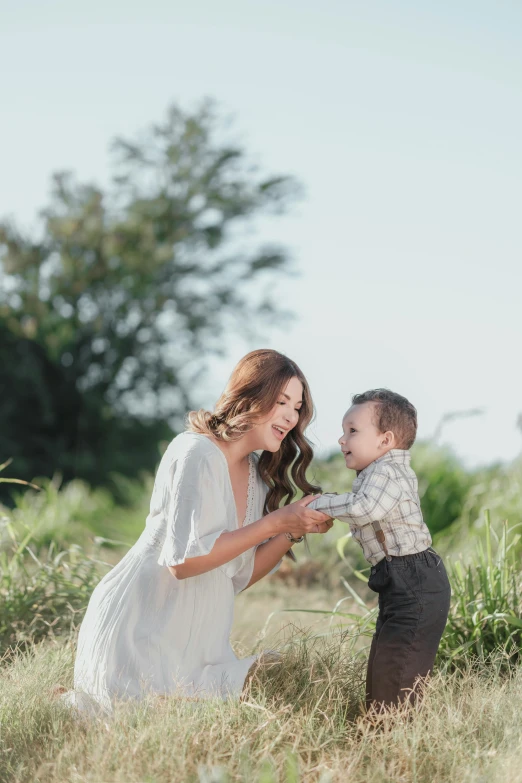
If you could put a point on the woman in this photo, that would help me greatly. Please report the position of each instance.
(160, 621)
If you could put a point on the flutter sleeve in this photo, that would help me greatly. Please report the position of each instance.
(195, 509)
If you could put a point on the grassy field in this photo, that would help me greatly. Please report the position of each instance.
(301, 719)
(299, 722)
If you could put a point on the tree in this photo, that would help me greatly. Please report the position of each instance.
(107, 320)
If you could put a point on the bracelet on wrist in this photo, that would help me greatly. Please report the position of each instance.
(294, 540)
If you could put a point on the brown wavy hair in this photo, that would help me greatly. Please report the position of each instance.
(251, 393)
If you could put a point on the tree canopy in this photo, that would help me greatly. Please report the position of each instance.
(109, 315)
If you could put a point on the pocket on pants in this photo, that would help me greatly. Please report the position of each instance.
(405, 584)
(435, 582)
(379, 577)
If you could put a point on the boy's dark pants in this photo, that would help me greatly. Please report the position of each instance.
(414, 599)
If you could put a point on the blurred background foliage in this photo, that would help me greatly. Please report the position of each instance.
(107, 312)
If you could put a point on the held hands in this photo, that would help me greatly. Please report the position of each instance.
(298, 520)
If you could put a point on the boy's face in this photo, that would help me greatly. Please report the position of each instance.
(361, 441)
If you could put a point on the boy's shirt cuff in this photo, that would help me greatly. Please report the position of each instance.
(333, 504)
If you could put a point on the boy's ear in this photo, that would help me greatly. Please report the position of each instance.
(388, 440)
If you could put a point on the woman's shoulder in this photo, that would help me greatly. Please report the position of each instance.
(194, 447)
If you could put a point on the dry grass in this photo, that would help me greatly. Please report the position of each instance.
(299, 722)
(270, 599)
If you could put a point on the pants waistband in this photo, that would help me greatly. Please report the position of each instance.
(407, 558)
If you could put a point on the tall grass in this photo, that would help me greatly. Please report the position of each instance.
(485, 620)
(54, 544)
(289, 727)
(300, 720)
(42, 594)
(75, 513)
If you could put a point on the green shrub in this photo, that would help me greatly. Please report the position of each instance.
(498, 488)
(485, 618)
(443, 484)
(43, 592)
(75, 513)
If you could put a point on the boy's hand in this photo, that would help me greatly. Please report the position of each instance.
(324, 527)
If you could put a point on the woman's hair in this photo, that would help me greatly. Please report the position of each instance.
(251, 393)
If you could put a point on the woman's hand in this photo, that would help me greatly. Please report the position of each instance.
(298, 520)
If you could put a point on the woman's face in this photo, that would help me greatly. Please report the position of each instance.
(271, 432)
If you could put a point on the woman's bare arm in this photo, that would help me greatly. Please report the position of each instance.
(296, 519)
(268, 556)
(270, 553)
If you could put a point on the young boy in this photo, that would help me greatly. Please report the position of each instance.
(385, 517)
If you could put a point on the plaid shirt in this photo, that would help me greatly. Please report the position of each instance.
(385, 492)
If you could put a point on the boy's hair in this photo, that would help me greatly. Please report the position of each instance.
(393, 413)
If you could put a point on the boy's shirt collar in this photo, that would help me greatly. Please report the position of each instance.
(402, 456)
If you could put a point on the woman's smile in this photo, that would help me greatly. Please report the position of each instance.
(279, 432)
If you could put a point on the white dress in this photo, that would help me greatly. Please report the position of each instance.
(145, 630)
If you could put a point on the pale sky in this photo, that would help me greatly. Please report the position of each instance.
(402, 120)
